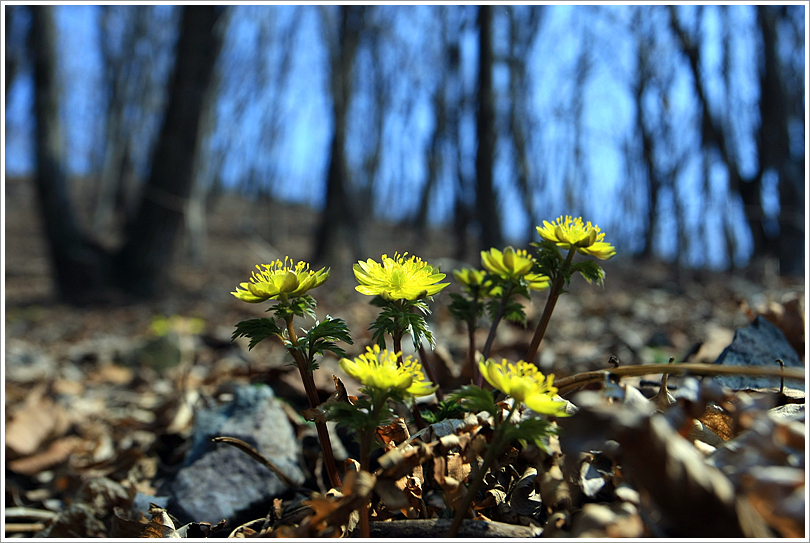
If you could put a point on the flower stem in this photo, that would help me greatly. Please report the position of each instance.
(423, 354)
(554, 293)
(366, 443)
(495, 448)
(479, 379)
(471, 325)
(312, 396)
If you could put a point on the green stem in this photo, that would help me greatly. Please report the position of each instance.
(423, 355)
(554, 293)
(479, 379)
(397, 337)
(471, 325)
(312, 397)
(495, 449)
(366, 443)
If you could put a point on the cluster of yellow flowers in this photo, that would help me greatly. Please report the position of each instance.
(410, 278)
(404, 283)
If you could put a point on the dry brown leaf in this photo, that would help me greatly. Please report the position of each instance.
(523, 499)
(493, 497)
(340, 395)
(161, 525)
(391, 494)
(112, 374)
(56, 453)
(554, 490)
(449, 472)
(718, 421)
(777, 494)
(691, 497)
(36, 421)
(396, 432)
(614, 520)
(123, 527)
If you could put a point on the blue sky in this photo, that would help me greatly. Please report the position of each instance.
(295, 161)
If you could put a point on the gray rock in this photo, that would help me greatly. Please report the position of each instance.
(218, 481)
(758, 344)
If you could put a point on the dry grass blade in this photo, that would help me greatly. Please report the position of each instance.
(256, 455)
(566, 385)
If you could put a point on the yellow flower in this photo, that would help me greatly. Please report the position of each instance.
(524, 382)
(379, 370)
(512, 264)
(280, 279)
(571, 233)
(469, 277)
(398, 278)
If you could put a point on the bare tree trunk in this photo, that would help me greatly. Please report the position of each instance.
(117, 70)
(643, 75)
(78, 264)
(486, 205)
(434, 157)
(773, 146)
(338, 218)
(522, 33)
(12, 55)
(712, 135)
(142, 263)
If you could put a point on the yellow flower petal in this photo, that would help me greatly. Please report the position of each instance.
(524, 383)
(378, 369)
(280, 279)
(570, 233)
(398, 278)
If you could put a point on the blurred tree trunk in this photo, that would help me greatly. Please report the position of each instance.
(773, 146)
(142, 263)
(117, 70)
(12, 55)
(439, 136)
(79, 265)
(639, 85)
(486, 205)
(338, 218)
(522, 33)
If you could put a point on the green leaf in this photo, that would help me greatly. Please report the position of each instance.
(324, 336)
(513, 312)
(549, 259)
(396, 320)
(474, 399)
(590, 270)
(447, 409)
(256, 330)
(300, 306)
(358, 417)
(534, 429)
(464, 309)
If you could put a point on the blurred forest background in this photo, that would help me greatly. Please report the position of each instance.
(679, 130)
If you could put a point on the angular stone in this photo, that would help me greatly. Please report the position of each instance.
(758, 344)
(218, 481)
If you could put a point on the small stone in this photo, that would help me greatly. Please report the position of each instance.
(758, 344)
(219, 481)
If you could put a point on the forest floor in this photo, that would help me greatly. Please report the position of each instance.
(96, 398)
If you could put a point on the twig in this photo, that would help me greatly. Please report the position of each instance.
(19, 527)
(573, 382)
(256, 455)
